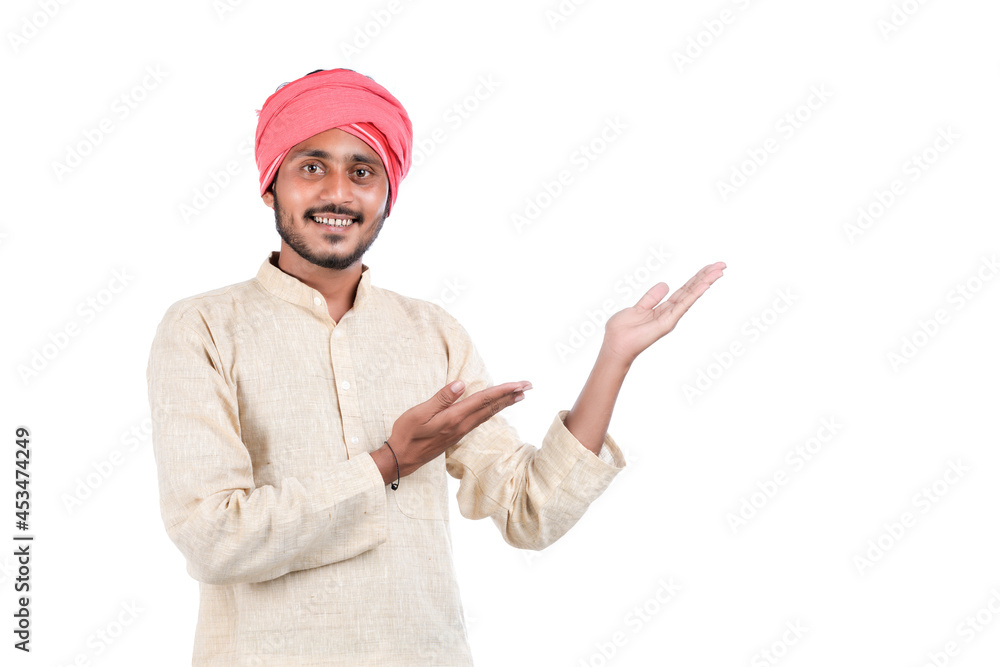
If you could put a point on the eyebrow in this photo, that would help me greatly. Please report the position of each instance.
(323, 155)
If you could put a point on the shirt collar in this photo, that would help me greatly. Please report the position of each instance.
(293, 290)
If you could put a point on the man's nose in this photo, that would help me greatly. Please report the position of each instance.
(337, 188)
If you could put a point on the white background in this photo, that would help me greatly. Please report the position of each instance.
(894, 78)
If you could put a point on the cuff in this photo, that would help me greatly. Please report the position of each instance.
(610, 453)
(573, 462)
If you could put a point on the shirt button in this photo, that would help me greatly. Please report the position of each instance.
(317, 300)
(345, 385)
(354, 440)
(337, 333)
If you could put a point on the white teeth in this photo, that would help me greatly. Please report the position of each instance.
(333, 222)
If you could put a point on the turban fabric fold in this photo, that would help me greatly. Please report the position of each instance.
(336, 98)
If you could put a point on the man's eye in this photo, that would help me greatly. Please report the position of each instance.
(360, 170)
(310, 167)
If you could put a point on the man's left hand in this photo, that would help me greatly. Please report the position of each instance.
(630, 331)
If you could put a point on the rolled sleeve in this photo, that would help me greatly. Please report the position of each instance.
(560, 444)
(533, 495)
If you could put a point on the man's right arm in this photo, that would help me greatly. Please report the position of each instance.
(229, 530)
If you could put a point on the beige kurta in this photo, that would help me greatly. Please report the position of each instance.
(264, 410)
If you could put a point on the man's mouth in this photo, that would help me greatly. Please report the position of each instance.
(331, 221)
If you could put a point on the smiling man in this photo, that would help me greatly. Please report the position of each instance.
(335, 192)
(305, 421)
(358, 176)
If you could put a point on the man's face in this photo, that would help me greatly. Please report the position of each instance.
(332, 176)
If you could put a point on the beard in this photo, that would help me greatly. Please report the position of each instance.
(332, 259)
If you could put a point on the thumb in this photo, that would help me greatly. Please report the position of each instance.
(449, 394)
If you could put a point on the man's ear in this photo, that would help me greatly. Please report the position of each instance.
(268, 198)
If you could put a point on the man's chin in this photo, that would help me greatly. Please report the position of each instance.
(334, 261)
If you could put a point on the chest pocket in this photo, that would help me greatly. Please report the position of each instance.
(422, 494)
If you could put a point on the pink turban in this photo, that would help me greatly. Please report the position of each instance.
(338, 98)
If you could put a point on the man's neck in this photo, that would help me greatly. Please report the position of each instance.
(338, 287)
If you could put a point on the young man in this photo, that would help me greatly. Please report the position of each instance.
(304, 421)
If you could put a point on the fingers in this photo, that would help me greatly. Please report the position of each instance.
(448, 395)
(653, 296)
(481, 406)
(707, 275)
(681, 300)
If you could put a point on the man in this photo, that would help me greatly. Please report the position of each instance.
(304, 421)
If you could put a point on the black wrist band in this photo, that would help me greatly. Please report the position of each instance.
(395, 485)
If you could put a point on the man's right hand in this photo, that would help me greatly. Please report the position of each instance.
(425, 430)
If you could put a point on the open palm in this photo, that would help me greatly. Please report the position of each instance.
(630, 331)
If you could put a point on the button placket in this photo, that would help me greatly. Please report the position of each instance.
(347, 394)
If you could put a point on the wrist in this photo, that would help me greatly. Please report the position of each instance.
(386, 464)
(612, 360)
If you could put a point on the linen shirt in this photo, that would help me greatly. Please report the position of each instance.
(264, 411)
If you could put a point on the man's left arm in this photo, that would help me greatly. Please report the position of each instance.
(626, 334)
(534, 496)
